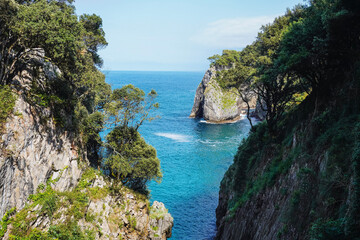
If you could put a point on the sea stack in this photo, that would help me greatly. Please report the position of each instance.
(215, 104)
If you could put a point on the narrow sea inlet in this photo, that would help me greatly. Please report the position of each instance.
(194, 155)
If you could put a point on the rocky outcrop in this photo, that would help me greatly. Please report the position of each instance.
(262, 216)
(216, 104)
(32, 148)
(44, 178)
(30, 154)
(259, 111)
(103, 213)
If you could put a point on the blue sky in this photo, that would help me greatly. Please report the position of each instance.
(177, 35)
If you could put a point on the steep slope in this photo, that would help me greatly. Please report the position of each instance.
(94, 209)
(32, 148)
(300, 185)
(48, 190)
(297, 174)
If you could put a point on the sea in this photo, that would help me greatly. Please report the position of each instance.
(194, 154)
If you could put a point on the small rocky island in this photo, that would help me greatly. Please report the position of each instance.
(216, 104)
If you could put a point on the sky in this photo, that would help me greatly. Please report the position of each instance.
(177, 35)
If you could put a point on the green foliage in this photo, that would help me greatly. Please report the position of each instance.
(256, 70)
(74, 205)
(308, 56)
(36, 234)
(8, 102)
(86, 178)
(249, 187)
(94, 35)
(79, 99)
(129, 107)
(283, 231)
(52, 26)
(227, 59)
(69, 42)
(47, 199)
(130, 159)
(243, 71)
(158, 214)
(98, 193)
(5, 221)
(69, 231)
(132, 221)
(323, 229)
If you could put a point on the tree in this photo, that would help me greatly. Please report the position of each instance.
(274, 86)
(128, 157)
(129, 107)
(94, 36)
(227, 59)
(71, 43)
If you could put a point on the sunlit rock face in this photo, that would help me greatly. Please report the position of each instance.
(216, 104)
(32, 148)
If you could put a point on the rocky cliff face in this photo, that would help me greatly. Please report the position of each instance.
(298, 184)
(32, 148)
(265, 215)
(215, 104)
(97, 210)
(41, 168)
(30, 154)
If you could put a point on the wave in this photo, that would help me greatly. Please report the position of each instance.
(175, 137)
(204, 121)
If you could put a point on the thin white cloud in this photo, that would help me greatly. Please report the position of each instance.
(231, 33)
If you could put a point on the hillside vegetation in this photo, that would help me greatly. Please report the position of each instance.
(297, 174)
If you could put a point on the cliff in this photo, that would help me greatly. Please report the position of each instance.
(32, 148)
(94, 209)
(297, 175)
(48, 188)
(301, 184)
(216, 104)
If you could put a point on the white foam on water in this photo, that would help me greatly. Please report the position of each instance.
(175, 137)
(204, 121)
(243, 116)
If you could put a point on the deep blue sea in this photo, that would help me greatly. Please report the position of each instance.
(194, 155)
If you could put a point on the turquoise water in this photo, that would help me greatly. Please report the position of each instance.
(194, 155)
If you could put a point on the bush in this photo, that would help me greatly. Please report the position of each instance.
(130, 159)
(327, 230)
(7, 103)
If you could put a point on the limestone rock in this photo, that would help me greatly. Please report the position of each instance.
(32, 148)
(115, 215)
(34, 152)
(215, 104)
(161, 222)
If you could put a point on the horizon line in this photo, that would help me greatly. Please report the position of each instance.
(112, 70)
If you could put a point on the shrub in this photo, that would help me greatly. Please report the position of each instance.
(7, 103)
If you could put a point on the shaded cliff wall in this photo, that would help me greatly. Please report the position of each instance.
(298, 184)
